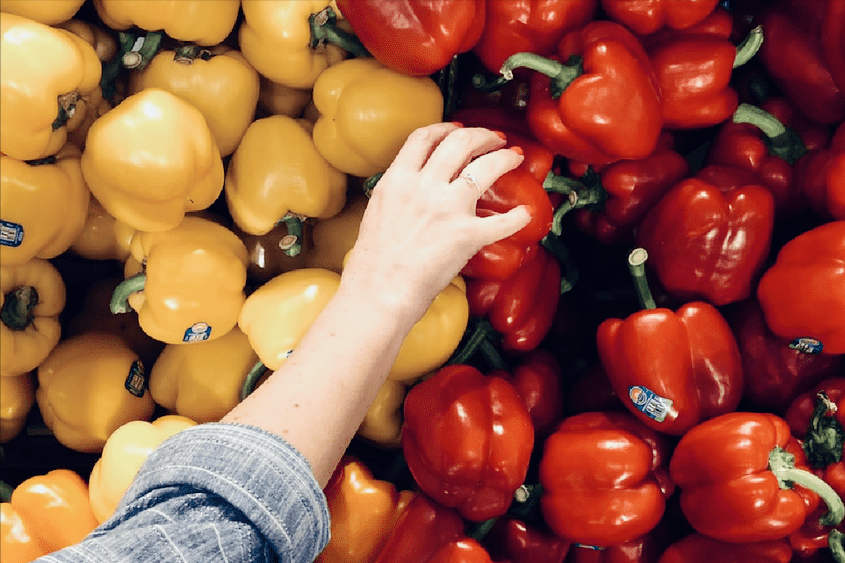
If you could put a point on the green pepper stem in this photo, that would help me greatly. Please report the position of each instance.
(187, 53)
(561, 75)
(256, 373)
(143, 51)
(746, 50)
(569, 271)
(18, 306)
(324, 29)
(782, 141)
(582, 193)
(291, 244)
(823, 442)
(447, 80)
(6, 491)
(636, 265)
(113, 67)
(370, 183)
(480, 530)
(487, 84)
(478, 331)
(120, 297)
(836, 543)
(491, 355)
(782, 465)
(67, 108)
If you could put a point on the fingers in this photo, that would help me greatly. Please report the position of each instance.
(496, 227)
(420, 144)
(459, 148)
(488, 168)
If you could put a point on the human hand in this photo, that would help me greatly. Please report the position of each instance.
(420, 226)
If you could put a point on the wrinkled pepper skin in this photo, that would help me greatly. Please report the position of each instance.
(515, 541)
(647, 16)
(17, 395)
(48, 12)
(218, 81)
(364, 510)
(586, 123)
(672, 369)
(367, 111)
(534, 26)
(821, 178)
(37, 100)
(43, 207)
(416, 38)
(195, 278)
(89, 386)
(32, 296)
(697, 548)
(151, 159)
(277, 170)
(604, 479)
(193, 21)
(801, 294)
(467, 440)
(728, 491)
(123, 455)
(52, 511)
(709, 241)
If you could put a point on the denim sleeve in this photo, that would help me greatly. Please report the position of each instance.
(215, 492)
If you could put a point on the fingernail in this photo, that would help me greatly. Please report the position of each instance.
(501, 135)
(457, 123)
(517, 150)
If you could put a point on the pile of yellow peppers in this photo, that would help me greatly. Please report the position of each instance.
(210, 157)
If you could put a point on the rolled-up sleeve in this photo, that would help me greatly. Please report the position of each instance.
(214, 492)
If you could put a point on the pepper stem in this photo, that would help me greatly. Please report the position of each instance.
(370, 183)
(782, 464)
(569, 271)
(255, 374)
(477, 333)
(291, 243)
(120, 297)
(746, 50)
(782, 141)
(113, 67)
(561, 75)
(324, 30)
(187, 53)
(636, 265)
(492, 355)
(582, 193)
(823, 443)
(6, 491)
(480, 530)
(836, 543)
(18, 306)
(143, 51)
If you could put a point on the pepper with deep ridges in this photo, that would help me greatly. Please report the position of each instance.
(648, 16)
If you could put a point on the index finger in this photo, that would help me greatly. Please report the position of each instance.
(420, 144)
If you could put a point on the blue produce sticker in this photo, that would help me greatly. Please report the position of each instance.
(807, 345)
(197, 332)
(136, 381)
(592, 547)
(649, 403)
(11, 234)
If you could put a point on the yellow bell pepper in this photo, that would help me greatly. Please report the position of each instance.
(278, 99)
(363, 509)
(367, 111)
(192, 21)
(203, 382)
(151, 159)
(276, 172)
(334, 237)
(99, 237)
(36, 100)
(123, 455)
(276, 316)
(219, 82)
(32, 296)
(17, 395)
(292, 41)
(192, 286)
(43, 206)
(46, 513)
(89, 386)
(382, 425)
(49, 12)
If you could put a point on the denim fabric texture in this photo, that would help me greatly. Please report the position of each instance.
(216, 492)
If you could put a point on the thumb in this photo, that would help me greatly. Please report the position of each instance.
(497, 227)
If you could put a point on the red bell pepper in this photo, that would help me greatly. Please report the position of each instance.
(415, 37)
(533, 26)
(644, 549)
(821, 177)
(647, 16)
(604, 479)
(774, 371)
(672, 369)
(709, 240)
(462, 551)
(574, 108)
(467, 440)
(768, 141)
(697, 548)
(802, 294)
(833, 41)
(792, 55)
(743, 479)
(517, 542)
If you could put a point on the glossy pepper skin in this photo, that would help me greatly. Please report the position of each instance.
(604, 479)
(697, 548)
(367, 111)
(37, 100)
(382, 425)
(43, 207)
(123, 455)
(151, 159)
(101, 237)
(798, 294)
(416, 38)
(821, 178)
(194, 281)
(269, 253)
(729, 491)
(193, 21)
(708, 239)
(644, 549)
(534, 26)
(17, 395)
(277, 170)
(515, 541)
(52, 512)
(585, 122)
(467, 440)
(334, 237)
(647, 16)
(364, 511)
(51, 12)
(672, 369)
(32, 296)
